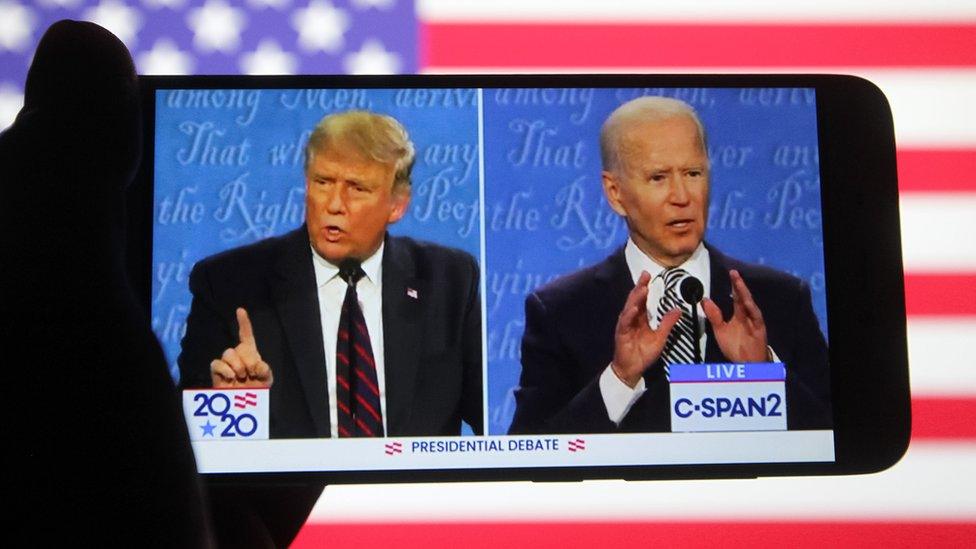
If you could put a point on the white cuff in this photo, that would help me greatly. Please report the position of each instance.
(618, 397)
(772, 354)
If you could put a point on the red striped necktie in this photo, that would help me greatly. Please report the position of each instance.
(357, 391)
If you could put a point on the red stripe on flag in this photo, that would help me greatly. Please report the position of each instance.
(940, 294)
(944, 418)
(680, 45)
(946, 170)
(624, 535)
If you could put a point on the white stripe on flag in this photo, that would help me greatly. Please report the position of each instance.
(935, 481)
(937, 231)
(698, 11)
(940, 356)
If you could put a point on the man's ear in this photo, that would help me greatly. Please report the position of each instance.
(611, 188)
(401, 200)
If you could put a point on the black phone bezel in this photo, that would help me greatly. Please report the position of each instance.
(866, 313)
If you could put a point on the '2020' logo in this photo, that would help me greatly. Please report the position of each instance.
(219, 405)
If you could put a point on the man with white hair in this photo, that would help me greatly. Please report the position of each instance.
(598, 342)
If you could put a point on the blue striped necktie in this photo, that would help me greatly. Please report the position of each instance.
(357, 391)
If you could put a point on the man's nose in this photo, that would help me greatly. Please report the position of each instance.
(335, 201)
(679, 192)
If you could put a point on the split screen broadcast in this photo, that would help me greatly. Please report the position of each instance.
(382, 279)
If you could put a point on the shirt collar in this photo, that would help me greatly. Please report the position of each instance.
(697, 265)
(325, 271)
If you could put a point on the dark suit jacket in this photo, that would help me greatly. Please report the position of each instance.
(568, 342)
(432, 344)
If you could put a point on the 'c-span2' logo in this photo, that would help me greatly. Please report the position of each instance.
(709, 407)
(226, 414)
(728, 397)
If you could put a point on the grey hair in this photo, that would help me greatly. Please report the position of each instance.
(643, 108)
(376, 136)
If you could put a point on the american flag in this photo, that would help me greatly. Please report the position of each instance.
(922, 55)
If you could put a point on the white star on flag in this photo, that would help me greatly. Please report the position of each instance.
(216, 26)
(157, 4)
(320, 26)
(118, 18)
(372, 58)
(378, 4)
(165, 58)
(276, 4)
(63, 4)
(11, 101)
(269, 58)
(16, 26)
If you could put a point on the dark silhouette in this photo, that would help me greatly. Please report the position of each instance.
(101, 451)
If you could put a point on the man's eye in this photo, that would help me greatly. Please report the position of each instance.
(696, 173)
(658, 177)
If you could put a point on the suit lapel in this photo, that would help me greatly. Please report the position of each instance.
(296, 301)
(615, 274)
(403, 305)
(721, 294)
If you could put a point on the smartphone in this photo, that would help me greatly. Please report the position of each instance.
(439, 278)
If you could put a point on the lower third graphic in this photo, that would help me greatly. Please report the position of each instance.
(394, 448)
(577, 445)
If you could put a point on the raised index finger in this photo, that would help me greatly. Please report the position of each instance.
(245, 332)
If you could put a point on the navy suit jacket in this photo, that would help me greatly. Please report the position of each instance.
(568, 343)
(432, 342)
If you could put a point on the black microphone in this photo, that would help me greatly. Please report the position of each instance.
(692, 291)
(349, 269)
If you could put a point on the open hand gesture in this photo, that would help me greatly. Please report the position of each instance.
(743, 337)
(636, 344)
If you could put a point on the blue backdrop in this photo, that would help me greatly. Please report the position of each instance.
(228, 172)
(545, 213)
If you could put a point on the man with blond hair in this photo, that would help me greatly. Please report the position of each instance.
(357, 333)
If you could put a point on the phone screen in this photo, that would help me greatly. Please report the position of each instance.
(501, 233)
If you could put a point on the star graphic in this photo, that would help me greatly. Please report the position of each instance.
(320, 26)
(261, 4)
(11, 100)
(378, 4)
(208, 429)
(216, 26)
(165, 58)
(157, 4)
(372, 58)
(115, 16)
(269, 58)
(64, 4)
(16, 26)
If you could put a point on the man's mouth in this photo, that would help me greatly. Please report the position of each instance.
(333, 233)
(680, 224)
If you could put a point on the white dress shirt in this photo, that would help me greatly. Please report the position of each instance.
(617, 395)
(332, 292)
